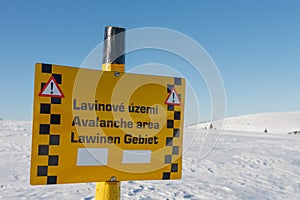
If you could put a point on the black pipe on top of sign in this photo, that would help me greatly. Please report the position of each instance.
(114, 45)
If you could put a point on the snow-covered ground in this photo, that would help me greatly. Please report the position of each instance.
(273, 122)
(246, 163)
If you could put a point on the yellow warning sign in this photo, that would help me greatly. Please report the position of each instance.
(92, 125)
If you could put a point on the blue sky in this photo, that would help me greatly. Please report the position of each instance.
(255, 45)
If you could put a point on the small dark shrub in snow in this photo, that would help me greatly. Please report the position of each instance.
(294, 132)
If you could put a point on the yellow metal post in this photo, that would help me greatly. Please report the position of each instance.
(113, 60)
(108, 190)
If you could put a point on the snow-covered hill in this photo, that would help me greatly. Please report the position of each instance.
(242, 165)
(272, 122)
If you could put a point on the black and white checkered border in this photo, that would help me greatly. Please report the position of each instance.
(177, 133)
(45, 130)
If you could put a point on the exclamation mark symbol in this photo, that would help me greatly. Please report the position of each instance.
(51, 85)
(173, 95)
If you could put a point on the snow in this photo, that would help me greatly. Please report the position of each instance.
(246, 163)
(273, 122)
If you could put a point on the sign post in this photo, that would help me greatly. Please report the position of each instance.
(113, 60)
(105, 126)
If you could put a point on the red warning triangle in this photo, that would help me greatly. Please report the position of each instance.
(173, 98)
(51, 89)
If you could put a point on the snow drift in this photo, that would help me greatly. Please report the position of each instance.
(272, 122)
